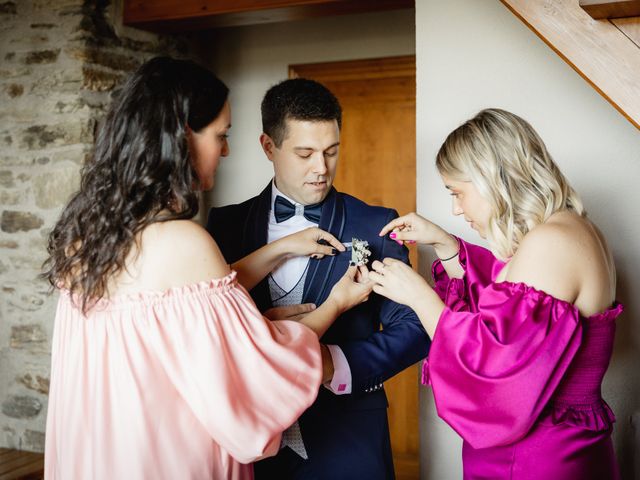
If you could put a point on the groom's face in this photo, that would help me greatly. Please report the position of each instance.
(305, 163)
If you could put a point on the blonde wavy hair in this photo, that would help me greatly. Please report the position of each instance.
(507, 161)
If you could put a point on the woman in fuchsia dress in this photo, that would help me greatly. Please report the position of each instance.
(162, 366)
(522, 333)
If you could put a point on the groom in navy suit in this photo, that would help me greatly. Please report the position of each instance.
(345, 433)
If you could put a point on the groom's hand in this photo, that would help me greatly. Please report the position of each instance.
(290, 312)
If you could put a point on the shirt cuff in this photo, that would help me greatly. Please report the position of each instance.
(340, 384)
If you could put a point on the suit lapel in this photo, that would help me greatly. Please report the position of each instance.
(255, 236)
(332, 220)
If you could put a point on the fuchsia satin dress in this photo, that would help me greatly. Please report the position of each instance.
(190, 383)
(517, 373)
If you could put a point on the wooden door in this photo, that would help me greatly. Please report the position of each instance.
(378, 165)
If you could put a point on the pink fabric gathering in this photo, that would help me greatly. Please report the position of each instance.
(190, 383)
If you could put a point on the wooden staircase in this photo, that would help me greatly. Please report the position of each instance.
(605, 52)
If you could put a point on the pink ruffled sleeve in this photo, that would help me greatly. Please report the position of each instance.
(497, 356)
(244, 378)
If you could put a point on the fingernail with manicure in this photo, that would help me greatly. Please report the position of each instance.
(399, 242)
(392, 235)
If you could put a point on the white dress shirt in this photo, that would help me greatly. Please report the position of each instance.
(287, 274)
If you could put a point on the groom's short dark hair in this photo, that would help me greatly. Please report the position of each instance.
(297, 99)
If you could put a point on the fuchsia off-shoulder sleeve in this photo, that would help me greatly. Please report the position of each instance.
(480, 267)
(499, 351)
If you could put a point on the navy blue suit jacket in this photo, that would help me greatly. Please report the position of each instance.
(373, 355)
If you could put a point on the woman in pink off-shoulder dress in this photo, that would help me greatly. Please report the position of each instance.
(522, 333)
(162, 366)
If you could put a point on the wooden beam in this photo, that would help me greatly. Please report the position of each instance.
(368, 69)
(600, 9)
(630, 27)
(170, 16)
(596, 49)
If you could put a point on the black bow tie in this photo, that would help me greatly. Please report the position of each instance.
(283, 210)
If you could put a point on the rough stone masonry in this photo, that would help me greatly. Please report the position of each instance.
(60, 61)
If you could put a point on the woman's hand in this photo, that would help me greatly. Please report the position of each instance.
(412, 228)
(352, 289)
(306, 243)
(398, 282)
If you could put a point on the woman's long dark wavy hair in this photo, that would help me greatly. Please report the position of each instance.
(140, 173)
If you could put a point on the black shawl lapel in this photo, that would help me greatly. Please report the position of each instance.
(316, 285)
(254, 237)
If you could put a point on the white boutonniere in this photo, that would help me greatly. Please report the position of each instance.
(359, 252)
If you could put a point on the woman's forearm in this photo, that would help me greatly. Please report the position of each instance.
(429, 307)
(448, 251)
(257, 265)
(323, 317)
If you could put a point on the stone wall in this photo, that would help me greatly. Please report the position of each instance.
(60, 61)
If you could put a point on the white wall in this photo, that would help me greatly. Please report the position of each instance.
(474, 54)
(252, 59)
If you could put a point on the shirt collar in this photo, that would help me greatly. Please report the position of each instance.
(275, 192)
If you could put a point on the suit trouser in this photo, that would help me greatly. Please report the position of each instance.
(344, 445)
